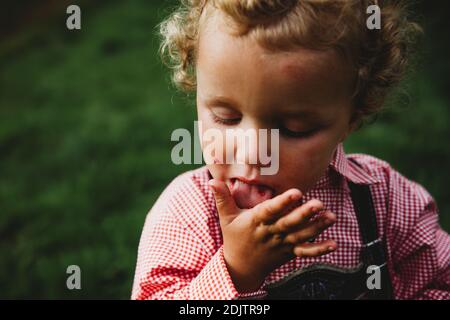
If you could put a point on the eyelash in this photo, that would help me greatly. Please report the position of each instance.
(224, 121)
(293, 134)
(284, 131)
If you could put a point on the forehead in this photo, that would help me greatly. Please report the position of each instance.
(242, 71)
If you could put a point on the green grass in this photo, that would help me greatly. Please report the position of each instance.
(85, 148)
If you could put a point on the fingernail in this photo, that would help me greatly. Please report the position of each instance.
(330, 248)
(295, 196)
(212, 186)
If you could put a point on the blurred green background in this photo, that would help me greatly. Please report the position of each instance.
(85, 124)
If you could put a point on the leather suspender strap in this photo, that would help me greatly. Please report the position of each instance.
(365, 213)
(373, 252)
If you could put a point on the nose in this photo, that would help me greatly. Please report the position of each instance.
(251, 145)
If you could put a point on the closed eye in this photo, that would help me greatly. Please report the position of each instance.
(283, 130)
(225, 121)
(298, 134)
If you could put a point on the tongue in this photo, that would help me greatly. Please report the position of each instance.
(247, 196)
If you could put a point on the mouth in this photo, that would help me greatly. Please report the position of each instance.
(249, 193)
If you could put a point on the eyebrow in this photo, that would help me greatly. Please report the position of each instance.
(300, 113)
(221, 101)
(308, 115)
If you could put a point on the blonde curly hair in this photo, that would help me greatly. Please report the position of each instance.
(379, 57)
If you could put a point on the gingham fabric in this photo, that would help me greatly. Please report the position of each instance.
(180, 252)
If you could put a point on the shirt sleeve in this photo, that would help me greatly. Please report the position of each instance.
(421, 259)
(175, 261)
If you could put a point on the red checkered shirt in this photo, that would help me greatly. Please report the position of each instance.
(180, 253)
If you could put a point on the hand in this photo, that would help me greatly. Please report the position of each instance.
(256, 241)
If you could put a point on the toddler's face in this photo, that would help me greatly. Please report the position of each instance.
(305, 94)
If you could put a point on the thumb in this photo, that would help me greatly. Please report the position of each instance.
(224, 201)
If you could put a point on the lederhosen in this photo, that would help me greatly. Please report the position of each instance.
(328, 282)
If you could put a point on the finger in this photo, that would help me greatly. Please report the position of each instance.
(315, 249)
(226, 206)
(299, 216)
(312, 229)
(269, 210)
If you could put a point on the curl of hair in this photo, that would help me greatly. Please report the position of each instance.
(379, 57)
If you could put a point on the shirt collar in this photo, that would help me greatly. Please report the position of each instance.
(350, 170)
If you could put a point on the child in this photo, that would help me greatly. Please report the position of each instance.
(326, 221)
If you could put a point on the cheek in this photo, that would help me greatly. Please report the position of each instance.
(306, 157)
(303, 162)
(204, 118)
(310, 151)
(212, 149)
(207, 132)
